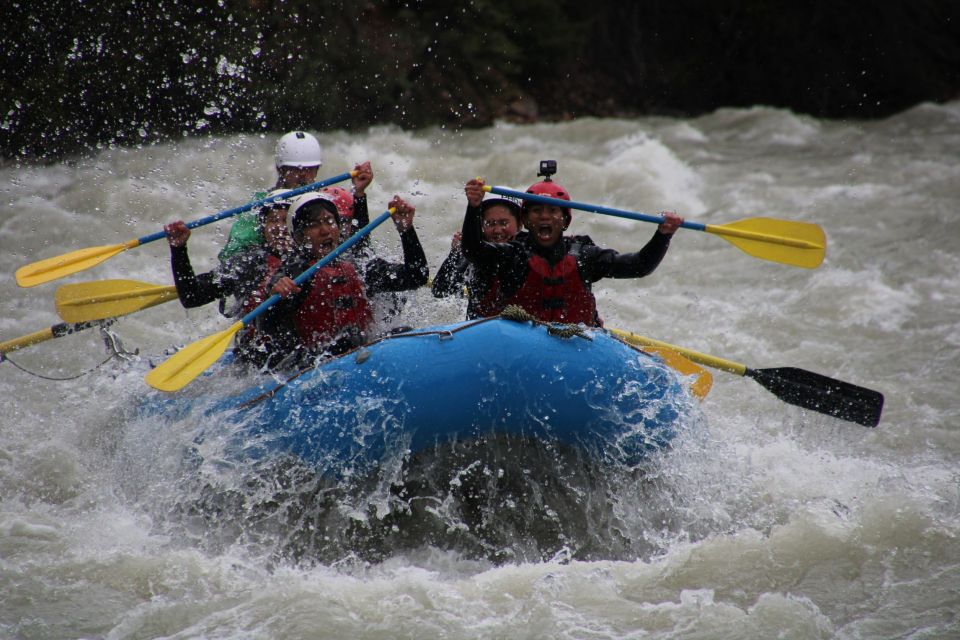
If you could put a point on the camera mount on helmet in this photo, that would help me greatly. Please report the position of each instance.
(547, 169)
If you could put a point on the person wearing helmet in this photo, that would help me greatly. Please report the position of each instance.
(298, 158)
(500, 221)
(352, 204)
(331, 313)
(547, 273)
(245, 276)
(344, 201)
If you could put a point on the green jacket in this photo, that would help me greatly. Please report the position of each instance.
(245, 231)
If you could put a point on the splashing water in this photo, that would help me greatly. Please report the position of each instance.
(762, 519)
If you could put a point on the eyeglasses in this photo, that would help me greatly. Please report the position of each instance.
(490, 224)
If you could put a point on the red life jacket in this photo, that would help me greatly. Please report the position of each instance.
(337, 304)
(556, 294)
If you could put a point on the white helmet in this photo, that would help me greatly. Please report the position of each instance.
(326, 200)
(298, 149)
(278, 203)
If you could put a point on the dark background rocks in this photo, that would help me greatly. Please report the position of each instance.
(80, 75)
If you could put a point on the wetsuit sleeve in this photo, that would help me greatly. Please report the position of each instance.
(607, 263)
(361, 218)
(380, 275)
(194, 290)
(451, 278)
(471, 236)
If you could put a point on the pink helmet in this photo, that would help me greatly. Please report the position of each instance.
(343, 198)
(550, 189)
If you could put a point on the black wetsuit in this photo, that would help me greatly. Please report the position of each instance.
(239, 276)
(458, 276)
(508, 262)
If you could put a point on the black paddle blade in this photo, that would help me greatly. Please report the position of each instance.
(820, 393)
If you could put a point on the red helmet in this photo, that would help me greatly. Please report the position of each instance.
(343, 199)
(550, 189)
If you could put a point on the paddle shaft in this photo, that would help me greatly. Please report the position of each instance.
(56, 331)
(250, 205)
(701, 358)
(645, 217)
(69, 263)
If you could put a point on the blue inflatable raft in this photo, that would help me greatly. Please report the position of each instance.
(412, 391)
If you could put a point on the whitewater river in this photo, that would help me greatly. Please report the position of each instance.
(766, 521)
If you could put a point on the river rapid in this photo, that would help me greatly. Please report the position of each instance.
(766, 521)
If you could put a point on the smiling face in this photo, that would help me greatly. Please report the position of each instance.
(545, 223)
(499, 225)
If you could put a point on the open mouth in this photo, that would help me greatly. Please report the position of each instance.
(326, 246)
(544, 231)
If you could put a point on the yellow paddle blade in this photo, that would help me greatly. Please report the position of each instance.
(700, 386)
(181, 368)
(86, 301)
(703, 381)
(801, 244)
(69, 263)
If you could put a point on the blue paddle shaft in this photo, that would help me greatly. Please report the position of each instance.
(595, 208)
(251, 205)
(306, 275)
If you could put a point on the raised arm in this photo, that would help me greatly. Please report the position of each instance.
(363, 176)
(451, 277)
(607, 263)
(193, 290)
(413, 272)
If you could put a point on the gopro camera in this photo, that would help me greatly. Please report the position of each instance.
(547, 168)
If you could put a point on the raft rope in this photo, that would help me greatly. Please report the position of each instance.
(110, 339)
(561, 330)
